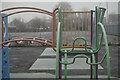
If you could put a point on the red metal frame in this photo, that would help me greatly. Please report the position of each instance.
(37, 10)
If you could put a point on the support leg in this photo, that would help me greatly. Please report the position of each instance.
(65, 67)
(96, 60)
(0, 47)
(91, 67)
(60, 67)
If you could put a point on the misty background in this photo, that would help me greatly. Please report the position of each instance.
(41, 22)
(40, 25)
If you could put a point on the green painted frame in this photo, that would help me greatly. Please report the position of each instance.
(100, 35)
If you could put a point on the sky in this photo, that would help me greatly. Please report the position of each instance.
(112, 7)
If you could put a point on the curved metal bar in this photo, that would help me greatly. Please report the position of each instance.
(107, 49)
(68, 51)
(45, 41)
(54, 11)
(8, 9)
(79, 56)
(87, 61)
(27, 11)
(87, 50)
(54, 28)
(36, 38)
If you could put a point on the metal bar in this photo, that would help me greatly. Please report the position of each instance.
(58, 51)
(93, 67)
(82, 25)
(5, 53)
(86, 26)
(76, 46)
(78, 28)
(63, 32)
(75, 12)
(65, 29)
(97, 28)
(96, 60)
(71, 27)
(27, 11)
(102, 15)
(91, 27)
(8, 9)
(74, 24)
(58, 44)
(60, 67)
(107, 50)
(91, 77)
(3, 30)
(22, 39)
(54, 30)
(69, 21)
(65, 67)
(1, 47)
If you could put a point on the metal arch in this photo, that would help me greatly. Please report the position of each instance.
(8, 9)
(27, 11)
(39, 40)
(53, 14)
(54, 29)
(55, 10)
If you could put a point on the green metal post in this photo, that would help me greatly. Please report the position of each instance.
(102, 14)
(93, 67)
(58, 46)
(107, 50)
(65, 66)
(97, 20)
(57, 52)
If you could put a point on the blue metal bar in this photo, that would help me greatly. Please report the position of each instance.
(5, 53)
(0, 47)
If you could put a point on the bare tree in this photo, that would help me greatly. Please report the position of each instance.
(19, 23)
(65, 6)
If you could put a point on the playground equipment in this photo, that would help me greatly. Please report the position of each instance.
(4, 42)
(75, 33)
(69, 32)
